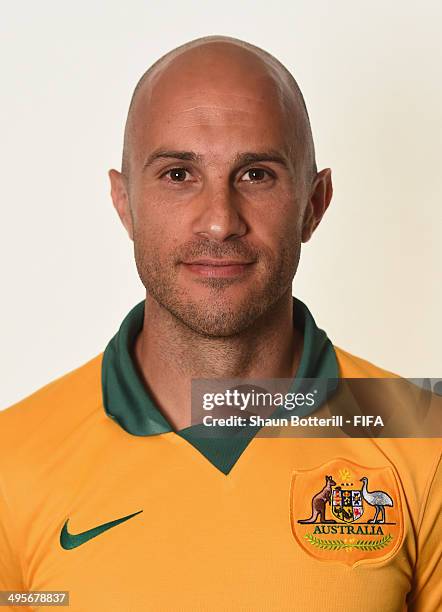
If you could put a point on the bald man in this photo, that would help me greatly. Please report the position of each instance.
(112, 497)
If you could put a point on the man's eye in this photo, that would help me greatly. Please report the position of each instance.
(255, 175)
(177, 175)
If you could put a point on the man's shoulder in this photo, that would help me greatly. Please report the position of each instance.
(352, 366)
(59, 404)
(409, 409)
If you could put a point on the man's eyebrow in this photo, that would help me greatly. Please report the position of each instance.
(250, 157)
(160, 154)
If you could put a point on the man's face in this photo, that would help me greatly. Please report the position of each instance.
(215, 198)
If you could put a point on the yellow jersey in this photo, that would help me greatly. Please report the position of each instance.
(100, 497)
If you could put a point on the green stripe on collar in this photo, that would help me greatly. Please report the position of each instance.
(127, 401)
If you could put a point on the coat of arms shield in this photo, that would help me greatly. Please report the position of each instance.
(346, 504)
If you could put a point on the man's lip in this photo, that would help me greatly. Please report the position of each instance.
(217, 262)
(218, 268)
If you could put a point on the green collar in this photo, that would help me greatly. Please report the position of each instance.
(127, 401)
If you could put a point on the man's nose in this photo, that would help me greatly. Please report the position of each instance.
(219, 217)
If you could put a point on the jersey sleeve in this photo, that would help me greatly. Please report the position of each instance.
(426, 595)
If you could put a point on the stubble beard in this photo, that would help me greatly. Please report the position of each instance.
(217, 315)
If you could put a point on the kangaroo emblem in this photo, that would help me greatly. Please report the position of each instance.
(319, 502)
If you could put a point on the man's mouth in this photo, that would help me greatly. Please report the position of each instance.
(218, 268)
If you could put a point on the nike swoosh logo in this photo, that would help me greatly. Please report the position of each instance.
(72, 540)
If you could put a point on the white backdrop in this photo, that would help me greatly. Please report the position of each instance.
(370, 73)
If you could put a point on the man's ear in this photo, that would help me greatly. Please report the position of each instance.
(120, 198)
(320, 196)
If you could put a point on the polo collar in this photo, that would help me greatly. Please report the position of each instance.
(127, 401)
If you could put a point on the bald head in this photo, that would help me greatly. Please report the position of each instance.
(221, 62)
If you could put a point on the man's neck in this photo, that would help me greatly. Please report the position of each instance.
(169, 355)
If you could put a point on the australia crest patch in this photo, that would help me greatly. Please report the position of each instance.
(345, 512)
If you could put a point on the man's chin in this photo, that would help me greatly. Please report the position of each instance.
(216, 312)
(215, 319)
